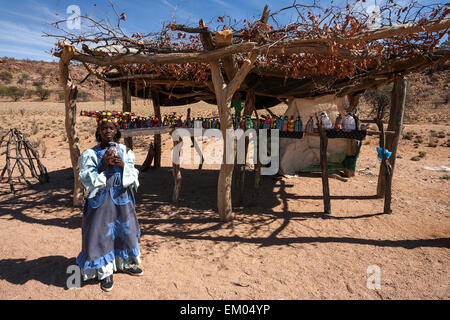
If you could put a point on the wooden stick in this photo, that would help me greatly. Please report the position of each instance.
(70, 96)
(395, 124)
(324, 169)
(176, 174)
(157, 139)
(149, 159)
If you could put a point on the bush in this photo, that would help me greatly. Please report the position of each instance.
(29, 93)
(15, 93)
(61, 95)
(3, 91)
(43, 93)
(6, 76)
(38, 83)
(378, 100)
(83, 96)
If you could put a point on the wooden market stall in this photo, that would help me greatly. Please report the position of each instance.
(267, 65)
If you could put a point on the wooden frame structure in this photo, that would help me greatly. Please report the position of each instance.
(235, 67)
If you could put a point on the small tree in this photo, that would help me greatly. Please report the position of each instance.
(6, 76)
(38, 84)
(83, 96)
(15, 93)
(43, 93)
(29, 93)
(3, 91)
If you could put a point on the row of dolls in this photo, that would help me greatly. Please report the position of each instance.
(349, 122)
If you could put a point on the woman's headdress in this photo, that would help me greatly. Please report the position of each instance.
(107, 116)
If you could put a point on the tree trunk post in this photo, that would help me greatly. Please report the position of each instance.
(176, 172)
(126, 107)
(324, 168)
(224, 93)
(249, 106)
(157, 143)
(70, 98)
(395, 124)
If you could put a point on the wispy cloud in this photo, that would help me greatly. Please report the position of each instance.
(167, 3)
(225, 4)
(13, 32)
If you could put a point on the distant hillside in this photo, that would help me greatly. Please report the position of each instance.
(428, 92)
(29, 74)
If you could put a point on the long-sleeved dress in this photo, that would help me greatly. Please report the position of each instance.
(110, 229)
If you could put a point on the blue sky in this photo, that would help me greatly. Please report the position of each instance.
(22, 22)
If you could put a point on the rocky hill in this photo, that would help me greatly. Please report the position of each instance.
(29, 74)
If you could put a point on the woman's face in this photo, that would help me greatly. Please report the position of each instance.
(107, 131)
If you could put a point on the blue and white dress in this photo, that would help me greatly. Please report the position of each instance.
(110, 229)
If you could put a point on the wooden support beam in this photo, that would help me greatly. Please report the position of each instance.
(70, 99)
(126, 107)
(157, 138)
(150, 156)
(224, 93)
(324, 169)
(395, 124)
(248, 109)
(176, 172)
(386, 169)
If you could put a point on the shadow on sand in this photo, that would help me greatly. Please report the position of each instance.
(194, 217)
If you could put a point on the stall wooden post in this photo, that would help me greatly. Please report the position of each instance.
(395, 124)
(387, 172)
(224, 93)
(157, 138)
(176, 172)
(324, 169)
(126, 107)
(249, 106)
(70, 101)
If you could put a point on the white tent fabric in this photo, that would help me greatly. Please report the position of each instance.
(297, 154)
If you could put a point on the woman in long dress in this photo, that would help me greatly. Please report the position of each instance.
(110, 229)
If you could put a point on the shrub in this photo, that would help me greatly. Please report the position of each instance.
(15, 93)
(38, 83)
(6, 76)
(43, 93)
(83, 96)
(3, 91)
(29, 93)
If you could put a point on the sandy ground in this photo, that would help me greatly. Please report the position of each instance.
(280, 246)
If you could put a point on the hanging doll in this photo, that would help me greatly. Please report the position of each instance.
(309, 125)
(298, 124)
(291, 124)
(326, 122)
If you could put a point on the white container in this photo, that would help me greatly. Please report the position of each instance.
(349, 122)
(326, 121)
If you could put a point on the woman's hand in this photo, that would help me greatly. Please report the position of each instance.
(107, 160)
(117, 161)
